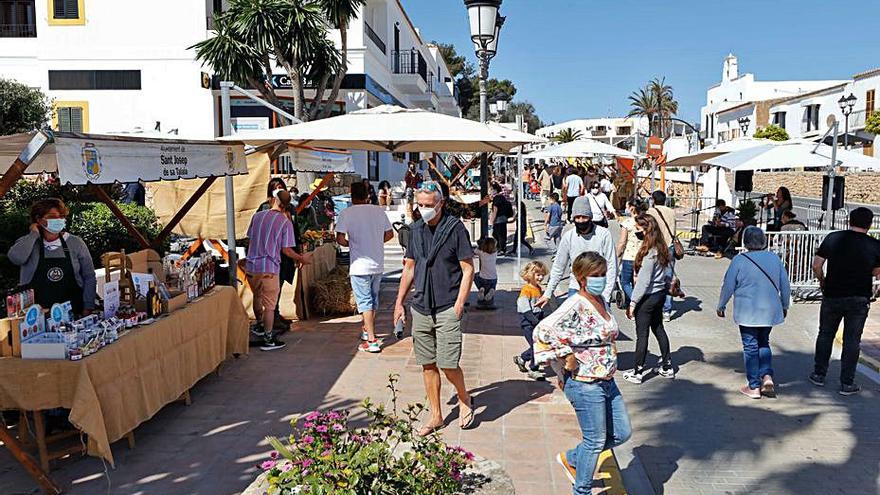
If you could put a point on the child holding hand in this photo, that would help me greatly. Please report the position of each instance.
(530, 314)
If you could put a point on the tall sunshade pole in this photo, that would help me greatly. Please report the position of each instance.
(226, 109)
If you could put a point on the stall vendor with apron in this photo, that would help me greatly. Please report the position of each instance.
(54, 263)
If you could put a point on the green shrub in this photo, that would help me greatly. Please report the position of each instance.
(772, 132)
(103, 232)
(872, 124)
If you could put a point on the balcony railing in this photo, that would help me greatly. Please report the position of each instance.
(409, 62)
(18, 30)
(376, 39)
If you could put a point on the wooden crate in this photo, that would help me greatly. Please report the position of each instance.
(10, 339)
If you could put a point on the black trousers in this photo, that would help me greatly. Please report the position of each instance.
(715, 237)
(853, 311)
(649, 315)
(499, 233)
(570, 203)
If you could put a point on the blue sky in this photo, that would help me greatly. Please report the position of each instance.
(582, 58)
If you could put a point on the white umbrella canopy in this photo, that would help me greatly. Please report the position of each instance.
(701, 157)
(794, 153)
(394, 129)
(581, 148)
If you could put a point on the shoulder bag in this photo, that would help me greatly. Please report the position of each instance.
(677, 248)
(765, 274)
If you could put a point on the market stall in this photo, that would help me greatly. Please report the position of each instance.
(161, 325)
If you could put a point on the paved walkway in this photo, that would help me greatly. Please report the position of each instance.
(694, 434)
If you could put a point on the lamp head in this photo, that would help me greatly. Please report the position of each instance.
(483, 15)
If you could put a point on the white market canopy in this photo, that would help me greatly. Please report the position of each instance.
(582, 148)
(794, 153)
(80, 159)
(709, 152)
(394, 129)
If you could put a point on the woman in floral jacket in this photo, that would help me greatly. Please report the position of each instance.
(577, 340)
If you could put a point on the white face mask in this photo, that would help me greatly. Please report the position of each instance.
(428, 213)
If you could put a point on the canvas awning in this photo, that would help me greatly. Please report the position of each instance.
(582, 148)
(394, 129)
(795, 153)
(80, 159)
(701, 157)
(316, 160)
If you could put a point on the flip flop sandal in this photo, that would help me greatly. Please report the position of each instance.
(426, 430)
(469, 418)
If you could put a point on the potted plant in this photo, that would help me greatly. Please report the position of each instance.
(747, 212)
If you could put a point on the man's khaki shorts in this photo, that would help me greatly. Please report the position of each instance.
(437, 339)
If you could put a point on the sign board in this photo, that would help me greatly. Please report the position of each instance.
(105, 161)
(655, 147)
(111, 299)
(206, 81)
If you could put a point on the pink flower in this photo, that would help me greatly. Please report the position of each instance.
(333, 415)
(338, 427)
(267, 465)
(321, 429)
(273, 454)
(306, 463)
(308, 424)
(287, 467)
(325, 453)
(308, 439)
(312, 416)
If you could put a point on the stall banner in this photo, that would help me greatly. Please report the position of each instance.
(105, 161)
(321, 161)
(207, 218)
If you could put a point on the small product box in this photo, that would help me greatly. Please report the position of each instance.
(36, 343)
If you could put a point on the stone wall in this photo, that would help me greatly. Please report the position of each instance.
(861, 187)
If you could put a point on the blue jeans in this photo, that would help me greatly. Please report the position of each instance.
(756, 354)
(604, 424)
(626, 278)
(667, 306)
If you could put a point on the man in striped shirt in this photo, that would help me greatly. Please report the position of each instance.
(271, 236)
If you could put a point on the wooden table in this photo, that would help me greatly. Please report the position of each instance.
(114, 390)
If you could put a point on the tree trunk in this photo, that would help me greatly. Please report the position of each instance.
(319, 93)
(268, 93)
(337, 83)
(294, 73)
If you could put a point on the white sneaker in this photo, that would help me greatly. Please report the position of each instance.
(365, 336)
(666, 372)
(490, 295)
(667, 316)
(481, 296)
(636, 377)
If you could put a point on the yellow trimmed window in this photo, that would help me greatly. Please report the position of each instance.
(71, 116)
(67, 12)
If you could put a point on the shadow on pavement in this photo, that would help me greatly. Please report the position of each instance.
(711, 430)
(499, 398)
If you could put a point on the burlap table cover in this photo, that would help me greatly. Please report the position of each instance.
(113, 391)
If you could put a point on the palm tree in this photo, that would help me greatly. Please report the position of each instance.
(340, 14)
(255, 35)
(656, 98)
(666, 104)
(567, 136)
(643, 104)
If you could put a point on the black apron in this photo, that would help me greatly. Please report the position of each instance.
(55, 281)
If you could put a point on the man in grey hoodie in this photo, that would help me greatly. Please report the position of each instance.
(586, 236)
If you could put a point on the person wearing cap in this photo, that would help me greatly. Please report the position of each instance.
(586, 236)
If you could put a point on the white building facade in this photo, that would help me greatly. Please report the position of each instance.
(107, 74)
(609, 130)
(741, 95)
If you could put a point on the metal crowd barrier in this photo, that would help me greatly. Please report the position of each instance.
(796, 249)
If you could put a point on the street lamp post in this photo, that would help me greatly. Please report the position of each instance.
(846, 104)
(744, 125)
(485, 29)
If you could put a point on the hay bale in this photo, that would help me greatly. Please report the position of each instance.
(332, 295)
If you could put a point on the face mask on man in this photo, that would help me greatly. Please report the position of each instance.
(583, 227)
(595, 285)
(428, 213)
(55, 225)
(595, 191)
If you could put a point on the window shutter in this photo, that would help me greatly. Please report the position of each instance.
(76, 119)
(65, 9)
(63, 119)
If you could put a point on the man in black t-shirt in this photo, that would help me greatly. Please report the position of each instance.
(439, 265)
(853, 261)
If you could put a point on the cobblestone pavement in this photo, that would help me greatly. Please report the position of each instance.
(692, 435)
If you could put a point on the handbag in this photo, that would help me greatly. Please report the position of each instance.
(677, 247)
